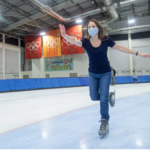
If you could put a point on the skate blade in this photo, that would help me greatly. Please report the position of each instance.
(112, 99)
(103, 135)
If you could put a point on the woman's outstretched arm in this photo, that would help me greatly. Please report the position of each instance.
(129, 51)
(69, 38)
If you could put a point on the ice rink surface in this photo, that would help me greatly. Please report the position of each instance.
(66, 118)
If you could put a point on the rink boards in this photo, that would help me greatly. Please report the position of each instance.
(40, 83)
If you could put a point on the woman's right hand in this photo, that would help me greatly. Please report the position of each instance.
(62, 30)
(69, 38)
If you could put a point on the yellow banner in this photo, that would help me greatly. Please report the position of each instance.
(52, 44)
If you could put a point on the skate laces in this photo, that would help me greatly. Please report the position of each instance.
(103, 124)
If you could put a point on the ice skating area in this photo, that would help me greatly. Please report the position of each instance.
(66, 118)
(57, 55)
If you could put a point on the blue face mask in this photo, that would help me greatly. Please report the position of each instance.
(93, 31)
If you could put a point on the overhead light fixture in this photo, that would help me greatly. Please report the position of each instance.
(131, 21)
(42, 33)
(78, 21)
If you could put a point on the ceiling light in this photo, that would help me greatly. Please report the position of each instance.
(42, 33)
(131, 21)
(78, 21)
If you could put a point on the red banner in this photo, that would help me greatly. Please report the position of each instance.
(67, 47)
(33, 47)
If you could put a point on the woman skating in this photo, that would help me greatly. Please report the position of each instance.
(96, 46)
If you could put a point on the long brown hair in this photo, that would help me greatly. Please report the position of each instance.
(101, 34)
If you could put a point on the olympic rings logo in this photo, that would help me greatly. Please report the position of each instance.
(51, 43)
(68, 43)
(33, 46)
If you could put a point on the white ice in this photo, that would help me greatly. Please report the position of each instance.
(18, 109)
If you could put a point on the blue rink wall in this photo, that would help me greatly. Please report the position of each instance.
(40, 83)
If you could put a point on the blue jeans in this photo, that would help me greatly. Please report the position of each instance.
(102, 82)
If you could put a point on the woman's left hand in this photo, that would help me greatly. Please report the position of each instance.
(144, 55)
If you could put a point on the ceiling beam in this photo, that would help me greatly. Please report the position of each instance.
(29, 30)
(27, 2)
(54, 2)
(133, 9)
(46, 24)
(66, 13)
(26, 29)
(33, 27)
(22, 12)
(21, 22)
(14, 8)
(64, 5)
(118, 1)
(149, 5)
(79, 7)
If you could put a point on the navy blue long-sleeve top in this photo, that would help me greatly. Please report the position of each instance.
(98, 60)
